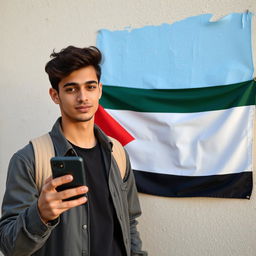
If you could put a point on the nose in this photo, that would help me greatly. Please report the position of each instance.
(82, 96)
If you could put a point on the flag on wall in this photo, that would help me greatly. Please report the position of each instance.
(181, 99)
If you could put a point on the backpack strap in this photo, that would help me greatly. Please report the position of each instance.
(44, 151)
(119, 155)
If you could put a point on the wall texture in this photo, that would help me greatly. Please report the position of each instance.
(31, 29)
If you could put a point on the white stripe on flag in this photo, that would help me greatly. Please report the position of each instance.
(190, 144)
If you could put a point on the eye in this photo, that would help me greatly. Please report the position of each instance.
(70, 89)
(91, 87)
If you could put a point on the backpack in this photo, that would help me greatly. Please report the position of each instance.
(44, 151)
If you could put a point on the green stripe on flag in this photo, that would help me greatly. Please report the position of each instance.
(179, 100)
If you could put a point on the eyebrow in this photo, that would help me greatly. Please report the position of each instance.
(76, 84)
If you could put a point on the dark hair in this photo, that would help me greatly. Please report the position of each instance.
(70, 59)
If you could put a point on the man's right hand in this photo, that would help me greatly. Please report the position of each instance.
(50, 202)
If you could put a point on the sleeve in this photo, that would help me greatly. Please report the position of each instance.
(21, 230)
(134, 210)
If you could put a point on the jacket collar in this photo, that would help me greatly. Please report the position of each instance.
(63, 147)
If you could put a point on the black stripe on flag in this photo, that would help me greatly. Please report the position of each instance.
(238, 185)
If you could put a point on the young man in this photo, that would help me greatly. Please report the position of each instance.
(42, 223)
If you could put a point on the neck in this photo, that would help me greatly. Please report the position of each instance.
(80, 134)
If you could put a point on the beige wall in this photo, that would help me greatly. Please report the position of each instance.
(30, 29)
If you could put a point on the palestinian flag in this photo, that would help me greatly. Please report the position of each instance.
(187, 134)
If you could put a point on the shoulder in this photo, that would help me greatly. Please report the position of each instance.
(26, 153)
(23, 160)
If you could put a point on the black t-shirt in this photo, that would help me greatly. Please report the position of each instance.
(105, 231)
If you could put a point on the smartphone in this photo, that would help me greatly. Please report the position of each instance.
(69, 165)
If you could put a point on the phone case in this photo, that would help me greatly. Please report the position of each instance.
(69, 165)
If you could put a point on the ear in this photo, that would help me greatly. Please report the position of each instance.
(54, 95)
(100, 88)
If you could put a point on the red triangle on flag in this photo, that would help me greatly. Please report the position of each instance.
(111, 127)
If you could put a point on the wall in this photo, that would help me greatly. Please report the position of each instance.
(30, 29)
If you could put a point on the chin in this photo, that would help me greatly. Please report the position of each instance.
(85, 119)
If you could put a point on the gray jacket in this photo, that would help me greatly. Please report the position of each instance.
(23, 233)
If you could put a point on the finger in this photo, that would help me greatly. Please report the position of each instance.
(48, 179)
(65, 205)
(54, 183)
(65, 194)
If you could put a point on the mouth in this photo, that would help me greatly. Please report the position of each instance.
(83, 108)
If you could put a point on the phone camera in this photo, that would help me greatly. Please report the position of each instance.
(58, 165)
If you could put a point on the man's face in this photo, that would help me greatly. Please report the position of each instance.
(78, 95)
